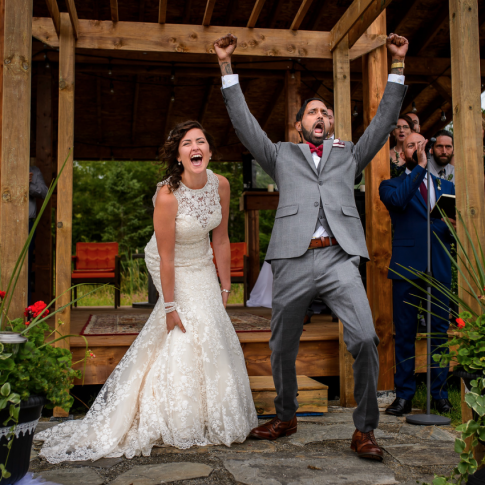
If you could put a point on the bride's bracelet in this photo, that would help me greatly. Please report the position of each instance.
(225, 291)
(169, 307)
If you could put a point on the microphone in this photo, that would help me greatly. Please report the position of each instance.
(429, 145)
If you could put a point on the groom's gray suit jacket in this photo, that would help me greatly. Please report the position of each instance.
(302, 186)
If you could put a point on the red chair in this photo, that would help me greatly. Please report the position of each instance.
(97, 263)
(239, 257)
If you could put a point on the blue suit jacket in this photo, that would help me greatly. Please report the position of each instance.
(408, 212)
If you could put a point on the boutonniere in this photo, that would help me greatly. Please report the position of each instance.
(438, 183)
(338, 143)
(450, 177)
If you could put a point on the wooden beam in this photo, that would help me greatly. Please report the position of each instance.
(162, 12)
(443, 86)
(43, 154)
(64, 187)
(364, 22)
(429, 33)
(71, 8)
(300, 15)
(277, 92)
(211, 87)
(292, 105)
(209, 8)
(377, 219)
(343, 130)
(197, 39)
(134, 116)
(114, 10)
(356, 10)
(253, 20)
(54, 13)
(15, 144)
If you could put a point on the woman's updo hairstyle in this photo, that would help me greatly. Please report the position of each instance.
(169, 152)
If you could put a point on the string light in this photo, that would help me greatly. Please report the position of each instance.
(292, 74)
(47, 65)
(443, 116)
(172, 77)
(110, 72)
(172, 97)
(355, 113)
(414, 110)
(111, 87)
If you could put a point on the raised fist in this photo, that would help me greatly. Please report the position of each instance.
(397, 46)
(225, 46)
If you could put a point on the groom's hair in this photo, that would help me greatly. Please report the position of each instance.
(299, 115)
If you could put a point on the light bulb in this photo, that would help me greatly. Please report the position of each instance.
(111, 88)
(443, 116)
(355, 113)
(414, 110)
(172, 98)
(110, 72)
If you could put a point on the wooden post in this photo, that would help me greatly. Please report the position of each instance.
(468, 144)
(293, 105)
(343, 130)
(43, 237)
(16, 34)
(251, 229)
(378, 221)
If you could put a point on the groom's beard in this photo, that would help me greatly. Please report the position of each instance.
(310, 137)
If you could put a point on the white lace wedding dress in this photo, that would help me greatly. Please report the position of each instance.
(178, 389)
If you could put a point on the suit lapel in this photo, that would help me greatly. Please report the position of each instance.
(308, 155)
(327, 147)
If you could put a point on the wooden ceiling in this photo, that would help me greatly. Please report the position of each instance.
(127, 101)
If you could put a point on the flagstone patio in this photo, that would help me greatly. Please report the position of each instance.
(319, 454)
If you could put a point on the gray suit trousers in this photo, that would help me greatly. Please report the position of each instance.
(333, 275)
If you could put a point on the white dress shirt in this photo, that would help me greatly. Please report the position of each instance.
(432, 194)
(233, 79)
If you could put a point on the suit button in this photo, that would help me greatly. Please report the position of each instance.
(316, 204)
(320, 182)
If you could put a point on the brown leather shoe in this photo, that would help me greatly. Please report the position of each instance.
(365, 445)
(274, 429)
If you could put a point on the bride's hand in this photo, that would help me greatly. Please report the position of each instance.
(225, 297)
(173, 320)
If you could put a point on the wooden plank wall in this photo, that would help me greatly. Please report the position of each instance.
(15, 144)
(343, 130)
(378, 221)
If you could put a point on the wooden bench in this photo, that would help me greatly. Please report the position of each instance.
(96, 263)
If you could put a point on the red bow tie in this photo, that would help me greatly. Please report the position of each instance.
(318, 149)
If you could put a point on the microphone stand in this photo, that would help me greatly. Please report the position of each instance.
(428, 419)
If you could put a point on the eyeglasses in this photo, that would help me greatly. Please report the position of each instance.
(403, 127)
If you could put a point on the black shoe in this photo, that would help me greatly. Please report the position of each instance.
(399, 407)
(441, 405)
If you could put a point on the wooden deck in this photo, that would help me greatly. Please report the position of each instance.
(318, 355)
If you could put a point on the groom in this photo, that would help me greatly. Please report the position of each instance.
(317, 239)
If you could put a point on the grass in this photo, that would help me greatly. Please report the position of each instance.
(131, 293)
(454, 396)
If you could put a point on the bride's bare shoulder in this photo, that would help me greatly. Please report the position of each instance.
(165, 199)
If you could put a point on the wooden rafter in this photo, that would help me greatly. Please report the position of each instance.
(152, 37)
(300, 15)
(71, 8)
(114, 10)
(356, 10)
(327, 95)
(429, 33)
(258, 6)
(443, 86)
(366, 20)
(162, 12)
(209, 8)
(54, 13)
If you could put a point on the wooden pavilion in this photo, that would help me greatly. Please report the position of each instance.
(140, 67)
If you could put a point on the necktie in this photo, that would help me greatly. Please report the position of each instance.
(441, 173)
(318, 150)
(424, 192)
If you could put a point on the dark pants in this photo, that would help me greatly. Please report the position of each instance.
(333, 275)
(406, 324)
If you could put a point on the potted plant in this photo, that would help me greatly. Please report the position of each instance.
(33, 372)
(466, 347)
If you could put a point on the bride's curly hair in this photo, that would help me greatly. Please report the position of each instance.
(169, 152)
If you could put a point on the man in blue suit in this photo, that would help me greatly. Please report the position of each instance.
(405, 198)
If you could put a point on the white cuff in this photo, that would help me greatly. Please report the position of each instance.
(396, 78)
(230, 80)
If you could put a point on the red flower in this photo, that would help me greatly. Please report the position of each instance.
(38, 308)
(460, 323)
(2, 294)
(27, 311)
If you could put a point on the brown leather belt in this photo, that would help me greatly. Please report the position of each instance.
(323, 242)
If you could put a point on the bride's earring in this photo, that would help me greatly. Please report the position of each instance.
(179, 163)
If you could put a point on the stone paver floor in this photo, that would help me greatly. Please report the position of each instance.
(319, 454)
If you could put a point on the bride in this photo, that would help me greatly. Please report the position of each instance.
(183, 382)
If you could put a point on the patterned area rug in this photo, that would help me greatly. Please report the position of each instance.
(131, 324)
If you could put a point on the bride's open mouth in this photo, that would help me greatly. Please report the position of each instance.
(196, 160)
